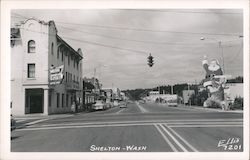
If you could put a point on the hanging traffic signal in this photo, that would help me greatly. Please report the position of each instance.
(150, 60)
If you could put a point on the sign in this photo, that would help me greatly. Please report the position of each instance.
(56, 75)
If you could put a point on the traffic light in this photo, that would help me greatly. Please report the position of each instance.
(150, 60)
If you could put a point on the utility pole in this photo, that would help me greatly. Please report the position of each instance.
(172, 89)
(83, 94)
(189, 95)
(222, 55)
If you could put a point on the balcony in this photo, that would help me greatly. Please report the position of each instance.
(73, 86)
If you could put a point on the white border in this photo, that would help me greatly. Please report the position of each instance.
(6, 6)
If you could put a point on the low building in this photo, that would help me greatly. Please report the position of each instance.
(234, 90)
(88, 94)
(116, 93)
(36, 49)
(109, 95)
(186, 95)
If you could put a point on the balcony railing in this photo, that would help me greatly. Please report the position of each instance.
(72, 85)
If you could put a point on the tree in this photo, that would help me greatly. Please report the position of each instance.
(199, 98)
(238, 79)
(238, 103)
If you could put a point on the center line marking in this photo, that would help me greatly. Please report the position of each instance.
(166, 139)
(120, 111)
(188, 144)
(143, 110)
(174, 139)
(35, 122)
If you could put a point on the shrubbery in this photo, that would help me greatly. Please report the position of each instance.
(212, 103)
(238, 103)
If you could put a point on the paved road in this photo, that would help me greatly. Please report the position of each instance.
(137, 128)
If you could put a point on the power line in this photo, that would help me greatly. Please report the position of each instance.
(125, 39)
(140, 41)
(93, 43)
(140, 29)
(132, 40)
(146, 30)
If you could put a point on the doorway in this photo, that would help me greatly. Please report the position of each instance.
(34, 101)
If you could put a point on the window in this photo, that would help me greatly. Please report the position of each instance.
(62, 55)
(31, 70)
(31, 46)
(52, 48)
(77, 65)
(66, 76)
(50, 98)
(58, 51)
(67, 100)
(62, 100)
(71, 100)
(57, 99)
(74, 63)
(69, 60)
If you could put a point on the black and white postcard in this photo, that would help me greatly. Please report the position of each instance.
(84, 80)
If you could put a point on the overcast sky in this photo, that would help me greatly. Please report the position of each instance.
(118, 42)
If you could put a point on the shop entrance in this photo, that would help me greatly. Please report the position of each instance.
(34, 101)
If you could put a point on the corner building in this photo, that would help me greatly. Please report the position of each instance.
(35, 48)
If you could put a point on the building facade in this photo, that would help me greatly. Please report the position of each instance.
(35, 49)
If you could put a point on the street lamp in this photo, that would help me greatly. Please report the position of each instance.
(220, 49)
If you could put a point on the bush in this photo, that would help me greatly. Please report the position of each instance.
(200, 98)
(212, 103)
(238, 103)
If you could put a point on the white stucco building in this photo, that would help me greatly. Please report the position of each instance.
(35, 48)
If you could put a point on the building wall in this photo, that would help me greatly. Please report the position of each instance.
(20, 58)
(234, 90)
(44, 35)
(56, 61)
(17, 94)
(186, 95)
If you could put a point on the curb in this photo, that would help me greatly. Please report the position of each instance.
(215, 110)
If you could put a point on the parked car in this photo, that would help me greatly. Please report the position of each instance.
(99, 105)
(109, 105)
(116, 103)
(123, 104)
(13, 123)
(142, 101)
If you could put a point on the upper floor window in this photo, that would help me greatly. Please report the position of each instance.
(31, 70)
(62, 55)
(66, 76)
(58, 51)
(74, 62)
(69, 60)
(31, 46)
(52, 48)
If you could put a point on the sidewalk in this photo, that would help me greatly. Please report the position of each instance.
(211, 109)
(42, 116)
(202, 108)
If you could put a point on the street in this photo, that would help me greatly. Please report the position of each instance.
(141, 127)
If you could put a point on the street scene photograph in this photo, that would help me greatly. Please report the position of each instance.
(127, 80)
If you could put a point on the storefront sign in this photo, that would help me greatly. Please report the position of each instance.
(56, 75)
